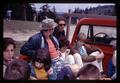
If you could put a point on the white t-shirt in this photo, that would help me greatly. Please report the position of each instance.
(69, 59)
(97, 63)
(4, 69)
(9, 12)
(78, 59)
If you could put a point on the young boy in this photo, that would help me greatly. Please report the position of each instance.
(90, 54)
(88, 72)
(72, 62)
(40, 65)
(8, 52)
(69, 57)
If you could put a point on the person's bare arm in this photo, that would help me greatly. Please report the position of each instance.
(88, 58)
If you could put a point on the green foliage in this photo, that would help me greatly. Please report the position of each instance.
(100, 10)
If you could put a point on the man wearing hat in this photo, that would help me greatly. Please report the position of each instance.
(44, 39)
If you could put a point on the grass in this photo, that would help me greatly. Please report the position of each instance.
(24, 28)
(15, 25)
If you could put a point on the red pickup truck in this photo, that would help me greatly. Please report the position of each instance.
(99, 32)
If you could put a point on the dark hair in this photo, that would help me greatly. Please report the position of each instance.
(63, 42)
(17, 70)
(7, 41)
(43, 56)
(59, 18)
(89, 70)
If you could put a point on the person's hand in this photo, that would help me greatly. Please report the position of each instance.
(100, 56)
(73, 51)
(105, 78)
(59, 52)
(50, 71)
(67, 51)
(33, 78)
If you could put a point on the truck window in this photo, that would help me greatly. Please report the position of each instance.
(84, 29)
(99, 34)
(110, 31)
(104, 34)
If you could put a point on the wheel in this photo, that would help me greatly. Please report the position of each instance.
(100, 37)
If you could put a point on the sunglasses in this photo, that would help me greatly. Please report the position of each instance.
(62, 24)
(48, 30)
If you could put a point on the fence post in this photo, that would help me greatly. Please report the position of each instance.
(24, 5)
(68, 24)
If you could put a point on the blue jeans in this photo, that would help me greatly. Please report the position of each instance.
(57, 65)
(65, 74)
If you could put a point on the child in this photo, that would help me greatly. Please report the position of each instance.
(72, 62)
(89, 54)
(112, 70)
(40, 65)
(8, 52)
(88, 72)
(17, 70)
(69, 57)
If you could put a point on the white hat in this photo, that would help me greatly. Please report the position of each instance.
(48, 24)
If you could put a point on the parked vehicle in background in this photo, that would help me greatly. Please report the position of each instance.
(100, 32)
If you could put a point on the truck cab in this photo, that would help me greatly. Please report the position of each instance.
(100, 32)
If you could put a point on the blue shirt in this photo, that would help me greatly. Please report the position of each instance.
(82, 51)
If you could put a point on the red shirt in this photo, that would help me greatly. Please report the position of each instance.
(53, 52)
